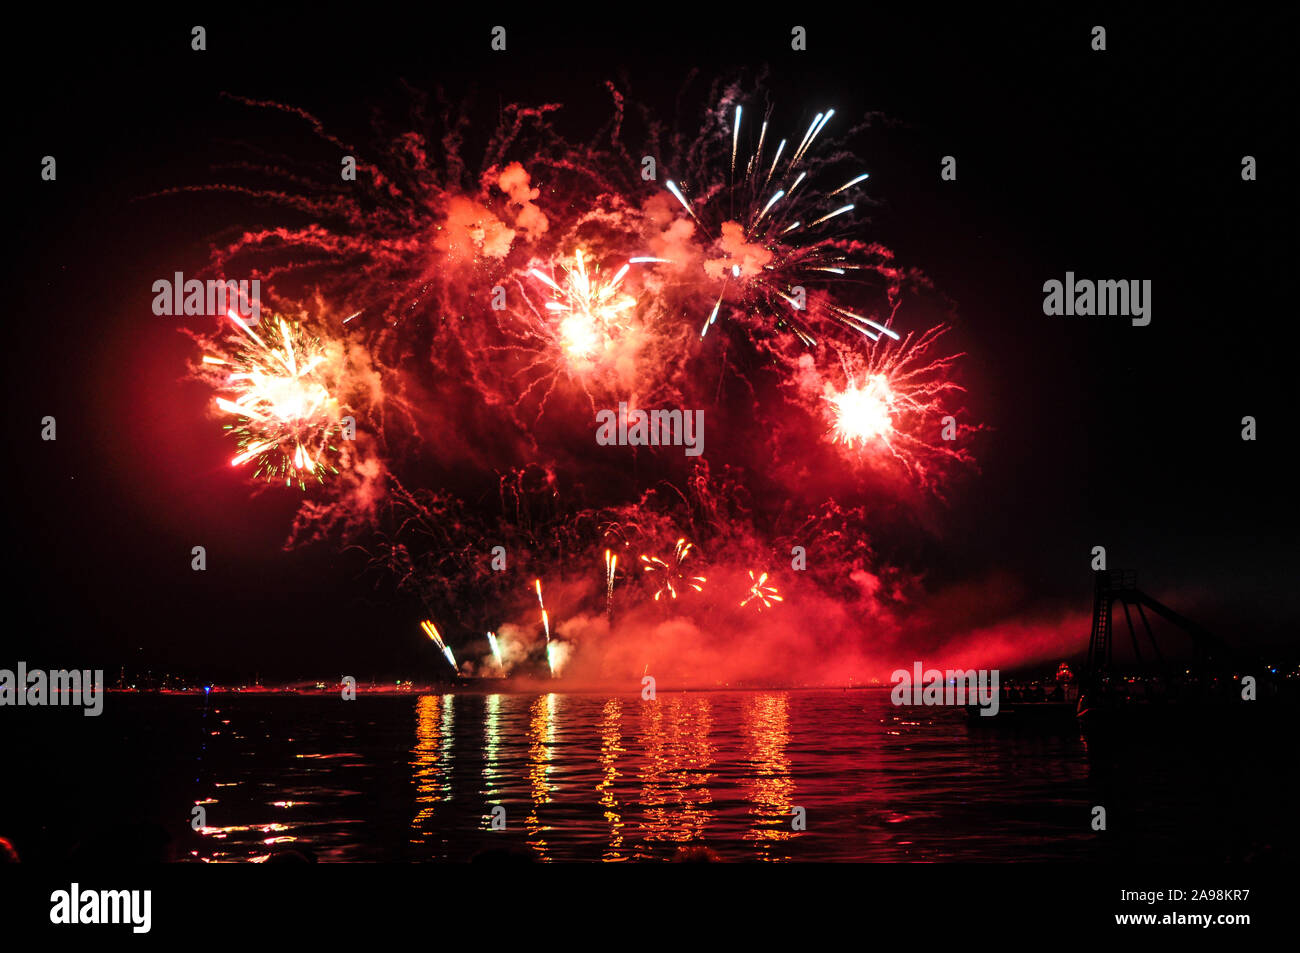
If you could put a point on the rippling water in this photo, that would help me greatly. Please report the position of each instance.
(592, 777)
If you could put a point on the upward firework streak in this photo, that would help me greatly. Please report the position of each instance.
(611, 567)
(546, 627)
(774, 237)
(286, 415)
(432, 632)
(672, 577)
(496, 650)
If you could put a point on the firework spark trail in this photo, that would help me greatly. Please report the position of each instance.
(286, 414)
(546, 627)
(770, 245)
(760, 593)
(415, 192)
(496, 650)
(611, 567)
(432, 632)
(537, 585)
(668, 574)
(426, 222)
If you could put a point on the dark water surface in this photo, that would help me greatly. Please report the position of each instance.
(612, 777)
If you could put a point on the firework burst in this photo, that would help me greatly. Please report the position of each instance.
(589, 310)
(586, 328)
(864, 413)
(672, 577)
(894, 404)
(777, 233)
(285, 414)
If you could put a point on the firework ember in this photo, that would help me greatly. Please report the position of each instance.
(672, 577)
(760, 593)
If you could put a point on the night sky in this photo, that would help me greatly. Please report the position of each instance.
(1122, 164)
